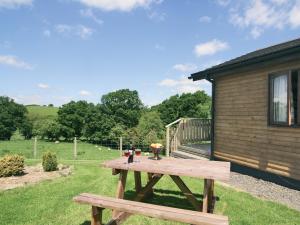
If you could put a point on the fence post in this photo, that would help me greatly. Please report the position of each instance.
(75, 148)
(121, 146)
(35, 147)
(168, 142)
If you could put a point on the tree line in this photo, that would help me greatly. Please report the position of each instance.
(119, 113)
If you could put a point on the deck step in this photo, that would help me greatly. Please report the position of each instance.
(194, 151)
(185, 155)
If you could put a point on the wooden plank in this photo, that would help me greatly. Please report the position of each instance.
(121, 187)
(96, 215)
(187, 193)
(145, 192)
(179, 167)
(155, 211)
(207, 195)
(138, 181)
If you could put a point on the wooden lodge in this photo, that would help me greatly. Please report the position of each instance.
(256, 109)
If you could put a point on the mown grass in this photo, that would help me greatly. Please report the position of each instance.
(50, 202)
(63, 150)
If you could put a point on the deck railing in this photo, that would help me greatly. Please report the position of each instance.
(187, 131)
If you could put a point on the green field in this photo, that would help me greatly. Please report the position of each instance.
(50, 202)
(63, 150)
(36, 112)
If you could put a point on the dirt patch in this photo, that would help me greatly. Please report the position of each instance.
(33, 175)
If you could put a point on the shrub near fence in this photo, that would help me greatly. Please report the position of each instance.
(49, 162)
(11, 165)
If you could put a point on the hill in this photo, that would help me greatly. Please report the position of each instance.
(36, 112)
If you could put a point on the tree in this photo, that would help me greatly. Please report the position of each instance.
(124, 106)
(73, 116)
(12, 116)
(51, 130)
(98, 125)
(150, 128)
(26, 129)
(197, 104)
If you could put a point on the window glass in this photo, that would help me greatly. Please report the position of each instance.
(294, 97)
(280, 104)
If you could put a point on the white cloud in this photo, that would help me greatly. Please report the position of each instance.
(223, 2)
(187, 67)
(259, 15)
(119, 5)
(43, 86)
(14, 62)
(12, 4)
(156, 16)
(205, 19)
(184, 85)
(85, 93)
(47, 33)
(294, 17)
(79, 30)
(88, 13)
(210, 47)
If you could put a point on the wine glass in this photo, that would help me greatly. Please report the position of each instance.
(138, 153)
(126, 154)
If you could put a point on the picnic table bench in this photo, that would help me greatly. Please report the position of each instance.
(155, 169)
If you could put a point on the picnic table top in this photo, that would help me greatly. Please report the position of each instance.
(214, 170)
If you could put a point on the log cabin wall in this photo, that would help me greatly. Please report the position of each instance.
(242, 133)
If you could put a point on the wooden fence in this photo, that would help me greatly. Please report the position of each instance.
(187, 131)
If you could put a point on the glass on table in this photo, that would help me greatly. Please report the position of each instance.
(126, 153)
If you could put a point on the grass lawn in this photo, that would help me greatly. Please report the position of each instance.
(50, 202)
(41, 112)
(62, 150)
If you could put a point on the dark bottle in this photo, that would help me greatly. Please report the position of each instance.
(131, 154)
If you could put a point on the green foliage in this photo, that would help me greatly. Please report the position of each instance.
(26, 129)
(49, 162)
(73, 115)
(98, 125)
(150, 128)
(11, 165)
(51, 130)
(124, 106)
(185, 105)
(12, 116)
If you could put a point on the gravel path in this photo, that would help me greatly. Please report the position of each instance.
(266, 190)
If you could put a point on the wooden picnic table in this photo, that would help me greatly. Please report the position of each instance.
(174, 167)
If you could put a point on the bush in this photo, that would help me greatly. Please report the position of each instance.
(11, 165)
(49, 161)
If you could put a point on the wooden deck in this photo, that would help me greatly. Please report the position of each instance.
(193, 151)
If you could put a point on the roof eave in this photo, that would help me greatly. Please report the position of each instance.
(216, 71)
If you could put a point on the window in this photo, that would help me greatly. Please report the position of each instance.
(285, 98)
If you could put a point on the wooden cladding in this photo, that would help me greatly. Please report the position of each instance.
(242, 131)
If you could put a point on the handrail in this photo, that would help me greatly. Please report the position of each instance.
(176, 121)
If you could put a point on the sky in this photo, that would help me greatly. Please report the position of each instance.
(55, 51)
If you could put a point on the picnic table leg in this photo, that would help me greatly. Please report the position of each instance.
(150, 192)
(121, 188)
(119, 218)
(208, 195)
(96, 216)
(138, 181)
(187, 192)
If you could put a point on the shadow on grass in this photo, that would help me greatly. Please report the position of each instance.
(168, 198)
(86, 223)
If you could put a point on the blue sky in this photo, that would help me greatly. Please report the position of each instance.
(54, 51)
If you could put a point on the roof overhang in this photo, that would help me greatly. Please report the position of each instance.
(261, 61)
